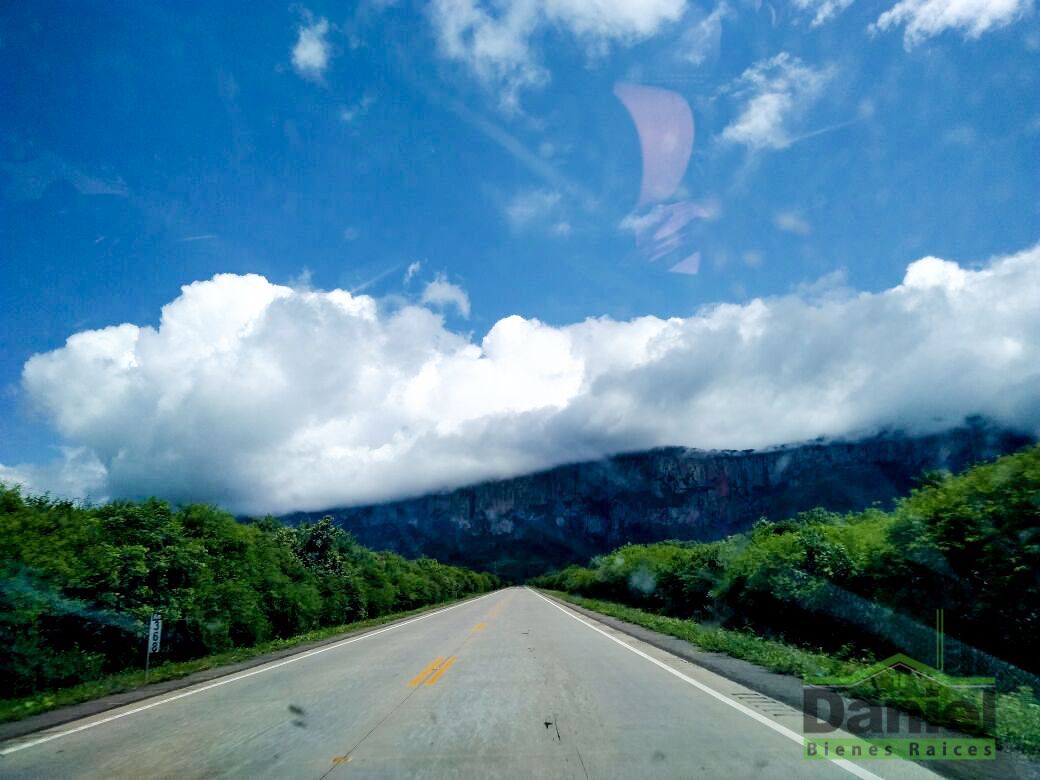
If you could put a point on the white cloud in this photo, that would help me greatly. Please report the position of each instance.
(441, 292)
(495, 39)
(310, 55)
(531, 206)
(822, 10)
(78, 474)
(792, 222)
(924, 19)
(349, 114)
(613, 19)
(702, 40)
(538, 209)
(777, 92)
(265, 398)
(412, 270)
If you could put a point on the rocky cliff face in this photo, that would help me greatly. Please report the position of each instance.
(523, 526)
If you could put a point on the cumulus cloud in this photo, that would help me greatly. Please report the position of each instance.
(410, 272)
(923, 19)
(776, 93)
(310, 55)
(265, 398)
(495, 40)
(77, 474)
(440, 292)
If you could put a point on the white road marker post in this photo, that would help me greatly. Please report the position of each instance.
(154, 640)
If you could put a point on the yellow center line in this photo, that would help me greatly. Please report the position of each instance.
(422, 675)
(437, 675)
(480, 626)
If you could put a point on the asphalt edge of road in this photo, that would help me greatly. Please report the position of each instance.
(87, 709)
(785, 688)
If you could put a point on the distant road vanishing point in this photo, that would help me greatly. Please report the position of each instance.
(508, 685)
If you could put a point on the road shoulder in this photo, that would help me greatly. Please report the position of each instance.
(62, 715)
(788, 690)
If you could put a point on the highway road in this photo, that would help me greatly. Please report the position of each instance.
(509, 685)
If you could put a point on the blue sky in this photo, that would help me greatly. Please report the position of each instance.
(332, 145)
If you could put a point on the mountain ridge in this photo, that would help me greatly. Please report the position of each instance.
(521, 526)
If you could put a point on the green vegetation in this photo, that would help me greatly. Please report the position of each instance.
(77, 585)
(866, 584)
(16, 709)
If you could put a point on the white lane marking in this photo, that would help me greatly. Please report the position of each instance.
(232, 678)
(792, 735)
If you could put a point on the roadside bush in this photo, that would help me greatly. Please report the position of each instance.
(968, 544)
(77, 585)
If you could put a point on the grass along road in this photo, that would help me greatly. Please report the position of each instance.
(1018, 714)
(134, 679)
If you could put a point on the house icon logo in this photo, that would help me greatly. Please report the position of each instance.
(890, 710)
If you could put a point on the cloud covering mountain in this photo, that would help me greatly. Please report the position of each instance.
(267, 398)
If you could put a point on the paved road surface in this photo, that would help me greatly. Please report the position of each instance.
(510, 685)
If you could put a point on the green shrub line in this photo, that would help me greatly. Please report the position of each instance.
(1018, 714)
(121, 682)
(78, 584)
(966, 544)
